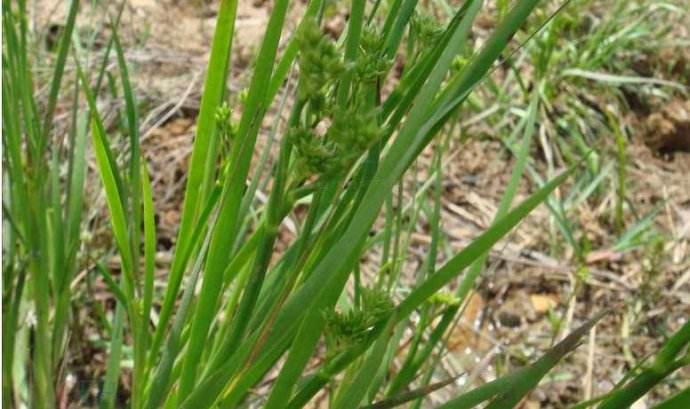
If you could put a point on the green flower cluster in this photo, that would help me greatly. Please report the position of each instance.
(315, 155)
(320, 63)
(227, 129)
(371, 63)
(351, 327)
(224, 122)
(350, 134)
(427, 28)
(351, 130)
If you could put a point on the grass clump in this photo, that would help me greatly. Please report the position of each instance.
(236, 310)
(43, 182)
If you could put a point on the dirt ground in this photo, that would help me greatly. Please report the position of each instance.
(511, 314)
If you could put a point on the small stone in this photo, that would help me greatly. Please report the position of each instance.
(508, 319)
(543, 302)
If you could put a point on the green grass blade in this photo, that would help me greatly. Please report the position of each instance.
(75, 196)
(394, 36)
(131, 111)
(118, 219)
(401, 99)
(203, 155)
(267, 232)
(149, 246)
(208, 390)
(630, 239)
(96, 122)
(134, 192)
(134, 214)
(510, 389)
(112, 285)
(664, 364)
(317, 381)
(414, 362)
(29, 209)
(112, 373)
(405, 397)
(56, 235)
(354, 31)
(534, 373)
(214, 89)
(289, 374)
(458, 89)
(233, 189)
(161, 380)
(63, 50)
(677, 401)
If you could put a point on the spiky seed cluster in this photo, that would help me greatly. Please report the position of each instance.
(227, 129)
(222, 113)
(351, 133)
(320, 63)
(224, 123)
(427, 28)
(371, 63)
(376, 302)
(352, 130)
(316, 155)
(351, 327)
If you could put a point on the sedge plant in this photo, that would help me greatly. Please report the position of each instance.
(239, 314)
(43, 176)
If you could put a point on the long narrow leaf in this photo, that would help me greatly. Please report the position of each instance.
(511, 388)
(63, 50)
(203, 153)
(118, 219)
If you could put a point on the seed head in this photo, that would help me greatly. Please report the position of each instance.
(351, 327)
(350, 134)
(371, 63)
(320, 63)
(427, 28)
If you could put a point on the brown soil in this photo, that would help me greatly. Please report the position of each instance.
(668, 130)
